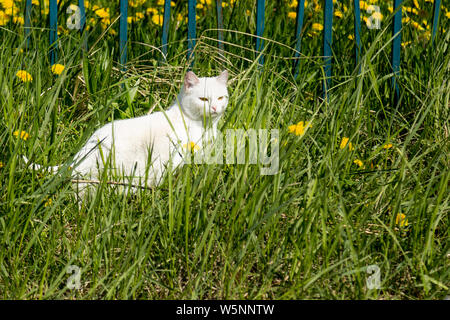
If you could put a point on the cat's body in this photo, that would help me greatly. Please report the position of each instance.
(142, 148)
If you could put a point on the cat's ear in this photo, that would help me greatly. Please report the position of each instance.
(223, 77)
(190, 80)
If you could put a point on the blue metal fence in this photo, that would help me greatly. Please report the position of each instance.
(260, 17)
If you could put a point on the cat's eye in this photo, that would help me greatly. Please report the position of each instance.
(203, 99)
(220, 98)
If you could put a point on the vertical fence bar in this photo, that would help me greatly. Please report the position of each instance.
(260, 11)
(83, 23)
(327, 41)
(298, 36)
(357, 34)
(220, 25)
(191, 31)
(123, 33)
(27, 22)
(396, 33)
(165, 31)
(53, 31)
(436, 11)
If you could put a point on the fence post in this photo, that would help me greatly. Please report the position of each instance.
(123, 33)
(27, 22)
(396, 33)
(327, 41)
(260, 11)
(191, 31)
(220, 25)
(53, 31)
(298, 36)
(82, 24)
(436, 11)
(165, 31)
(357, 34)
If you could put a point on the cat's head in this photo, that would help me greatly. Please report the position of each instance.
(204, 96)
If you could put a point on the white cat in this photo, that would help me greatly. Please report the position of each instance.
(141, 148)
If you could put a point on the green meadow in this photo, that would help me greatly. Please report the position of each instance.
(359, 208)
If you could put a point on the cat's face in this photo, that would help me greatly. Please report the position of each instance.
(205, 96)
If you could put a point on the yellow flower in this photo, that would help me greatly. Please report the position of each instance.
(102, 13)
(19, 20)
(338, 14)
(404, 44)
(292, 15)
(351, 37)
(344, 143)
(48, 202)
(157, 19)
(1, 164)
(317, 26)
(199, 6)
(363, 5)
(359, 163)
(24, 76)
(401, 220)
(417, 25)
(224, 4)
(191, 146)
(300, 128)
(388, 145)
(57, 69)
(448, 14)
(416, 4)
(22, 134)
(152, 11)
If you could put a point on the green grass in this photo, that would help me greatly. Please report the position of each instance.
(225, 231)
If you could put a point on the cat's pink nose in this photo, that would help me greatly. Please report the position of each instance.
(213, 108)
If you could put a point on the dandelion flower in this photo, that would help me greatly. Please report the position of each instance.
(358, 162)
(387, 146)
(48, 202)
(24, 76)
(344, 143)
(57, 69)
(191, 146)
(157, 19)
(102, 13)
(401, 220)
(338, 14)
(22, 135)
(151, 10)
(351, 37)
(317, 26)
(300, 128)
(1, 164)
(292, 15)
(404, 44)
